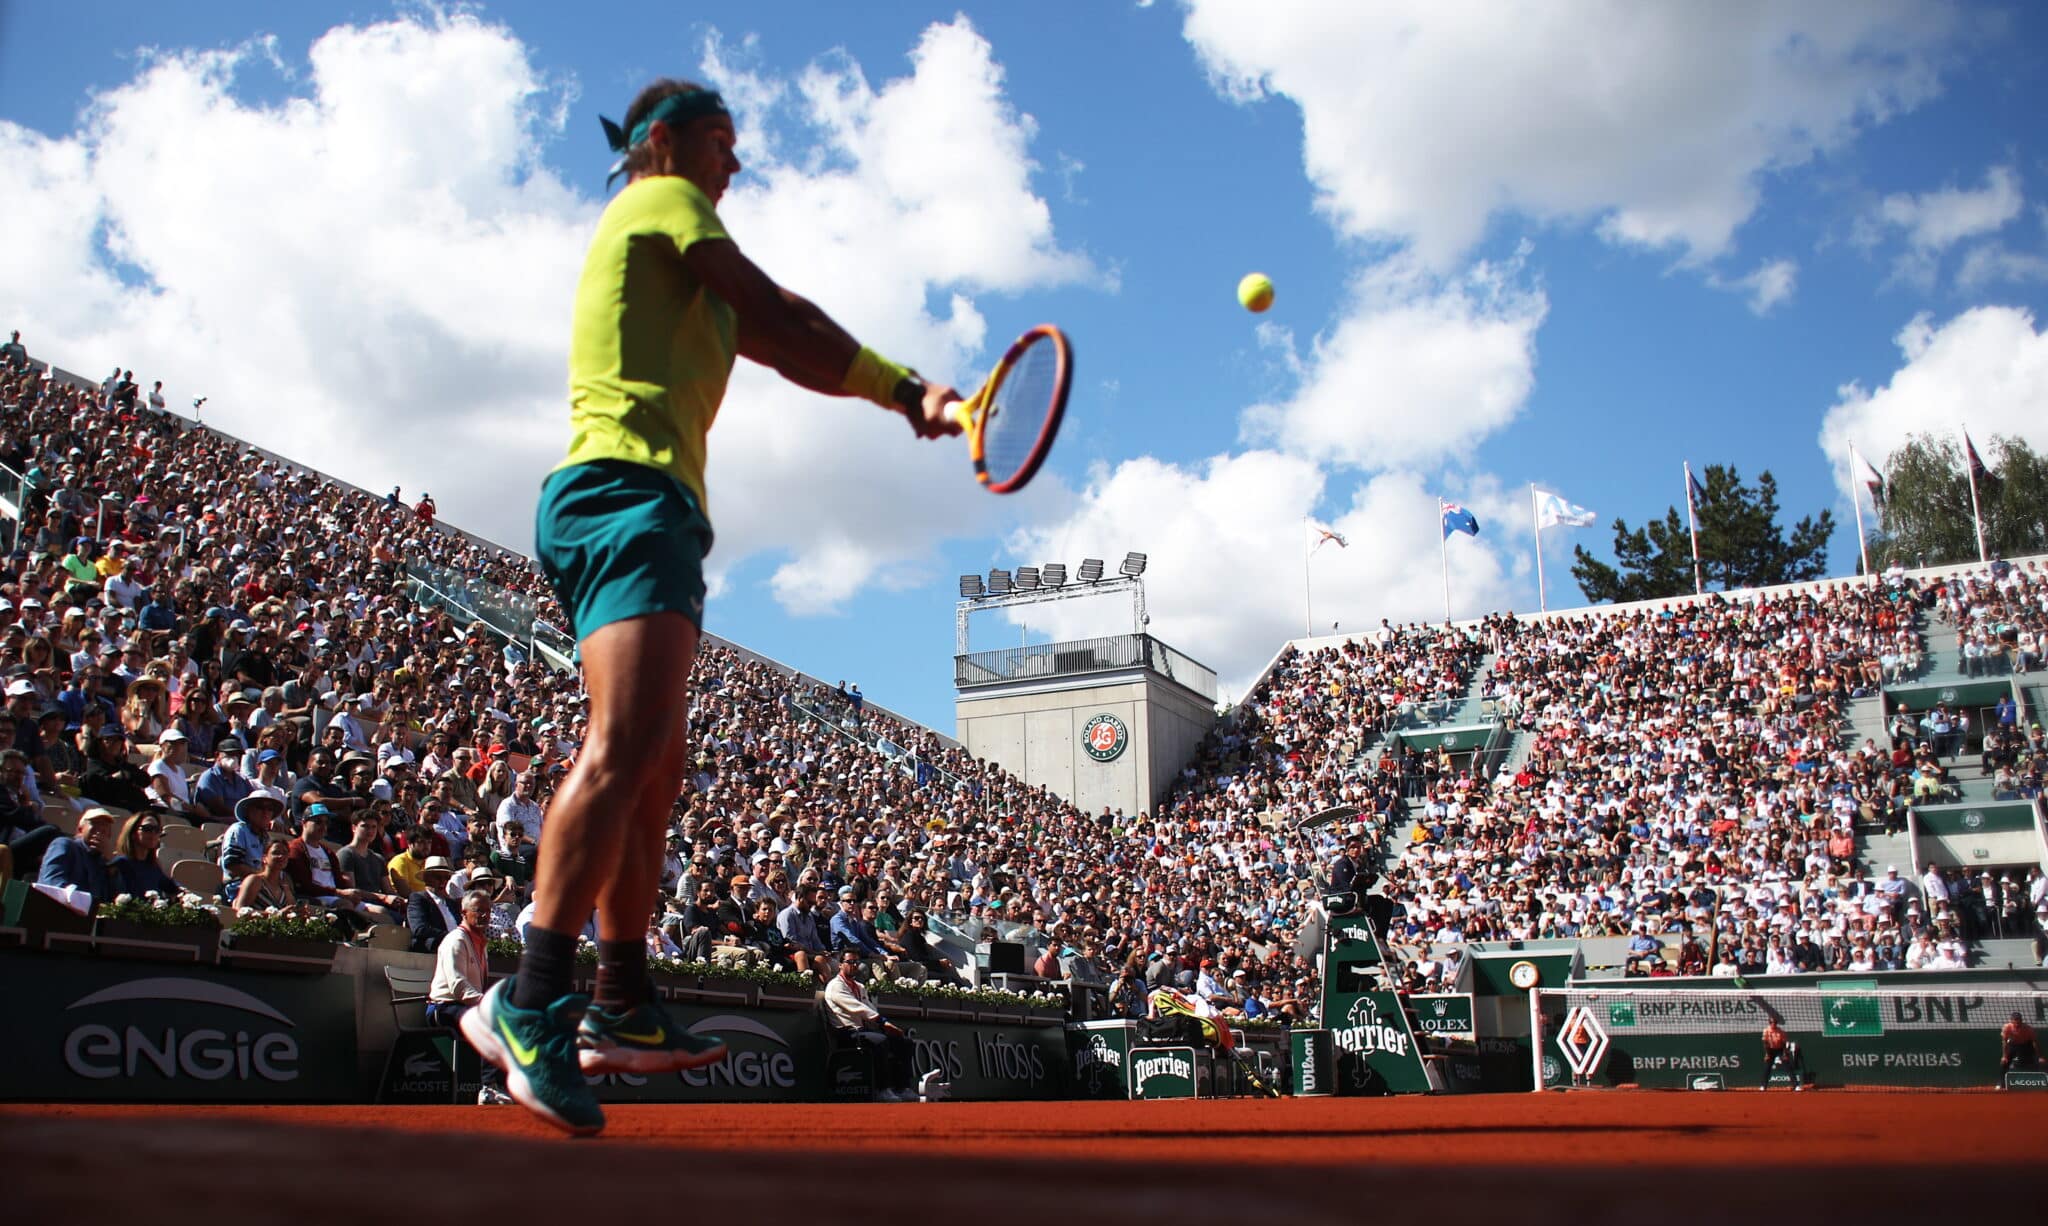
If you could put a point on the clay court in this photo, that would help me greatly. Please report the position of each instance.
(1634, 1157)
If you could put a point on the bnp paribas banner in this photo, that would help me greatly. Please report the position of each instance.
(1376, 1048)
(84, 1028)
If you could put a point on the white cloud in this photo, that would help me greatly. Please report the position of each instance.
(1987, 368)
(1995, 262)
(1931, 222)
(1422, 120)
(1417, 370)
(1768, 285)
(1935, 220)
(1226, 580)
(373, 274)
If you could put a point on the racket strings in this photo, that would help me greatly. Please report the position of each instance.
(1017, 411)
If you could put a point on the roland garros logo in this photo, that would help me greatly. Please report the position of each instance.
(1105, 737)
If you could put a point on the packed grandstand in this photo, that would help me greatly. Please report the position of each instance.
(1701, 779)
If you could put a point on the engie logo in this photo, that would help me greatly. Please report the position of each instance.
(755, 1069)
(1105, 737)
(207, 1032)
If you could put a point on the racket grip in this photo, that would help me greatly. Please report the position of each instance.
(962, 412)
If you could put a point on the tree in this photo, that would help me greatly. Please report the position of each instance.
(1925, 520)
(1741, 545)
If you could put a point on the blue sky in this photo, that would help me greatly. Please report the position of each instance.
(1575, 244)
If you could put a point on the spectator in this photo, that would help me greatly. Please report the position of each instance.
(269, 887)
(167, 778)
(137, 868)
(427, 913)
(242, 848)
(799, 925)
(408, 869)
(110, 779)
(460, 973)
(854, 1020)
(79, 861)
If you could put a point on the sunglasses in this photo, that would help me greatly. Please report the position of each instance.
(149, 828)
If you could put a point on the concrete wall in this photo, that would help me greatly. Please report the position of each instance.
(1034, 731)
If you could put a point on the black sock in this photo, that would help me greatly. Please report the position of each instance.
(621, 974)
(547, 971)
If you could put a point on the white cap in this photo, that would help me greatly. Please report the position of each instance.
(169, 735)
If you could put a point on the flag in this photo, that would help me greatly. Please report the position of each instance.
(1551, 509)
(1695, 493)
(1979, 471)
(1326, 535)
(1875, 481)
(1457, 519)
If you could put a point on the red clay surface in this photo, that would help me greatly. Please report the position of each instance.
(1624, 1157)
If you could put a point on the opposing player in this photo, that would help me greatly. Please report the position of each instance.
(1780, 1051)
(2017, 1047)
(665, 302)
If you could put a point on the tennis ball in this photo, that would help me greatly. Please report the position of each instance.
(1255, 291)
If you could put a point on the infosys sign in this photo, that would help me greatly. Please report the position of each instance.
(85, 1029)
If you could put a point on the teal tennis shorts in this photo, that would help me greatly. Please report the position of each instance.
(620, 540)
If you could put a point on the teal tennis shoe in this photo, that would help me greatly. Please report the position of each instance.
(643, 1039)
(537, 1050)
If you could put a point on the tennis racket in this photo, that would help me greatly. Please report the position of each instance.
(1011, 422)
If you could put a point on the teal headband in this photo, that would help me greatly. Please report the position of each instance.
(675, 109)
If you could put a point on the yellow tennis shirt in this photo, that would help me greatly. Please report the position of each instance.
(650, 347)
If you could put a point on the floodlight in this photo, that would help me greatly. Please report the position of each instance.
(1091, 570)
(970, 585)
(1053, 574)
(1027, 578)
(999, 583)
(1134, 565)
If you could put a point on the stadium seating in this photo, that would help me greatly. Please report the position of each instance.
(1660, 771)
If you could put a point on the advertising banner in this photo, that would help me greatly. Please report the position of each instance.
(1848, 1032)
(1443, 1015)
(85, 1028)
(1100, 1054)
(993, 1062)
(1163, 1072)
(772, 1055)
(1376, 1049)
(1312, 1060)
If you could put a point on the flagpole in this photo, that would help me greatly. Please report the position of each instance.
(1976, 516)
(1542, 602)
(1443, 546)
(1308, 603)
(1692, 524)
(1856, 500)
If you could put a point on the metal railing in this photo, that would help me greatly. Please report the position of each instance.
(513, 615)
(1081, 656)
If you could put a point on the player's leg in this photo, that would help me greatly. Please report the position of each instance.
(623, 546)
(630, 785)
(530, 1026)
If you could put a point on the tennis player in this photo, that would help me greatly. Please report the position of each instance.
(665, 302)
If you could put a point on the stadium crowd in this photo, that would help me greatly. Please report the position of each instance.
(204, 634)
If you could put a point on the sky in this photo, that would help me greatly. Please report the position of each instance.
(1574, 244)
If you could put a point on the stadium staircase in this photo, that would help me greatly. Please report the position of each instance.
(2034, 697)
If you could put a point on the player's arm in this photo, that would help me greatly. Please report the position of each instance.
(790, 335)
